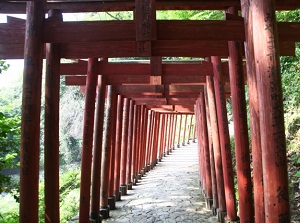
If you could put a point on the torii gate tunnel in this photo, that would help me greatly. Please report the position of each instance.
(146, 102)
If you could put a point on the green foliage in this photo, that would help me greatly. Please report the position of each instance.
(9, 146)
(3, 66)
(190, 15)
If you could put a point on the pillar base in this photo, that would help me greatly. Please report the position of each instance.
(148, 168)
(104, 211)
(117, 195)
(112, 202)
(194, 141)
(134, 180)
(183, 144)
(221, 215)
(178, 146)
(209, 203)
(232, 221)
(214, 210)
(168, 152)
(123, 189)
(159, 160)
(153, 165)
(139, 176)
(165, 155)
(96, 217)
(129, 186)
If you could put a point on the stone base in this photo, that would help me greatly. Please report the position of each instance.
(117, 195)
(232, 221)
(209, 203)
(139, 176)
(159, 160)
(183, 144)
(112, 202)
(168, 152)
(96, 217)
(165, 155)
(129, 186)
(221, 215)
(134, 180)
(178, 146)
(148, 168)
(152, 165)
(123, 189)
(104, 211)
(214, 210)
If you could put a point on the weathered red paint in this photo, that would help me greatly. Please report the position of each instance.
(51, 147)
(179, 130)
(190, 130)
(259, 208)
(31, 108)
(216, 144)
(97, 150)
(130, 144)
(274, 161)
(241, 141)
(87, 144)
(184, 129)
(224, 140)
(124, 141)
(118, 139)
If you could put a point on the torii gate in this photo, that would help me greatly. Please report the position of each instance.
(264, 41)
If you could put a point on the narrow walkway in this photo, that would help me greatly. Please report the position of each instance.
(168, 193)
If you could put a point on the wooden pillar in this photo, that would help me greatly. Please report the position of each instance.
(118, 140)
(87, 141)
(215, 204)
(274, 161)
(51, 149)
(184, 130)
(152, 139)
(31, 108)
(259, 208)
(242, 153)
(224, 140)
(138, 141)
(179, 130)
(174, 131)
(216, 146)
(124, 159)
(206, 154)
(130, 144)
(190, 130)
(165, 134)
(135, 143)
(156, 139)
(161, 126)
(97, 151)
(111, 191)
(104, 208)
(144, 140)
(149, 140)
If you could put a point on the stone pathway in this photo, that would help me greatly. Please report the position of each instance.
(168, 193)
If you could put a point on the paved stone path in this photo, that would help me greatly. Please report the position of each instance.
(168, 193)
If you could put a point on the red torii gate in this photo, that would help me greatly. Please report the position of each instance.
(147, 37)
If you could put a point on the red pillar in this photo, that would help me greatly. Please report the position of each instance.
(118, 140)
(184, 130)
(156, 139)
(138, 141)
(215, 204)
(104, 208)
(179, 130)
(97, 150)
(135, 143)
(216, 146)
(190, 129)
(31, 108)
(51, 149)
(174, 131)
(130, 145)
(87, 141)
(206, 154)
(224, 140)
(246, 209)
(111, 192)
(124, 159)
(161, 126)
(259, 208)
(274, 161)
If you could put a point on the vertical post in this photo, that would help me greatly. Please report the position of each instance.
(242, 153)
(31, 108)
(118, 140)
(87, 144)
(216, 146)
(104, 208)
(224, 140)
(97, 151)
(190, 130)
(111, 193)
(174, 131)
(138, 142)
(215, 204)
(156, 139)
(274, 161)
(135, 143)
(259, 207)
(124, 159)
(179, 130)
(165, 116)
(161, 126)
(206, 154)
(130, 145)
(51, 149)
(184, 130)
